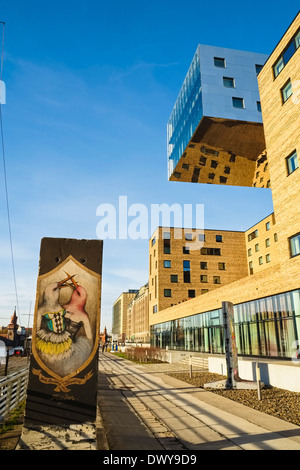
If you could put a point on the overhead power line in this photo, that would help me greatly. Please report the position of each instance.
(5, 182)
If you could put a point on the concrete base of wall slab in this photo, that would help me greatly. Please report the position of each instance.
(277, 373)
(63, 437)
(243, 385)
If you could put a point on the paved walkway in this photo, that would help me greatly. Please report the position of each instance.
(143, 408)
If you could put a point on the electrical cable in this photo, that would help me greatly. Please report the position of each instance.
(6, 185)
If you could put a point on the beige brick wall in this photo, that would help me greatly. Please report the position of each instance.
(274, 280)
(262, 245)
(282, 134)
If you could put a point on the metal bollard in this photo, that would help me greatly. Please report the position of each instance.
(191, 368)
(258, 381)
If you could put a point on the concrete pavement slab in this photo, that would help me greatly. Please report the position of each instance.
(197, 419)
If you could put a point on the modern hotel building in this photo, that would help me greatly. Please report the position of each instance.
(236, 122)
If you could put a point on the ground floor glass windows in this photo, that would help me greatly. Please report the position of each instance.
(267, 327)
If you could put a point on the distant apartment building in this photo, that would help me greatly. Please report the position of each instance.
(186, 264)
(236, 121)
(138, 317)
(119, 315)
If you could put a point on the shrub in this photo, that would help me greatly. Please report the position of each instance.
(144, 355)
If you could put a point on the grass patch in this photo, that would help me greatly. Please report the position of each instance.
(14, 418)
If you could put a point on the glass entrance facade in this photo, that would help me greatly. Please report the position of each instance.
(264, 327)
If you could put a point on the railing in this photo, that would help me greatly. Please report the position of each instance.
(12, 391)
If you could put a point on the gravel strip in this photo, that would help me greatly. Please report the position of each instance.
(276, 402)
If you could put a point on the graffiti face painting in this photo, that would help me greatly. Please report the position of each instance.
(66, 320)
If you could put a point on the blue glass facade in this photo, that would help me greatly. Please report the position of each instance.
(267, 327)
(186, 114)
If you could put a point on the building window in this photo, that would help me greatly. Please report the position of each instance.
(268, 259)
(219, 62)
(189, 236)
(219, 238)
(258, 68)
(203, 278)
(287, 54)
(210, 251)
(216, 279)
(249, 252)
(278, 67)
(286, 91)
(174, 278)
(297, 40)
(186, 271)
(185, 250)
(260, 260)
(202, 160)
(167, 263)
(267, 241)
(214, 164)
(201, 237)
(223, 179)
(203, 291)
(268, 226)
(209, 151)
(227, 170)
(252, 235)
(221, 266)
(257, 247)
(154, 309)
(153, 241)
(186, 265)
(203, 265)
(238, 103)
(295, 245)
(167, 293)
(167, 246)
(191, 293)
(185, 166)
(258, 105)
(251, 267)
(228, 82)
(292, 162)
(275, 237)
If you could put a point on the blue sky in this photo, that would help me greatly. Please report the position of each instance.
(90, 87)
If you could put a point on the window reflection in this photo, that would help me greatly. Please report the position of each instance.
(265, 327)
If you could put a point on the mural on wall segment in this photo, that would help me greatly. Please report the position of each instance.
(66, 322)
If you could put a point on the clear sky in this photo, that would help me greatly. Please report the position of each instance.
(90, 87)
